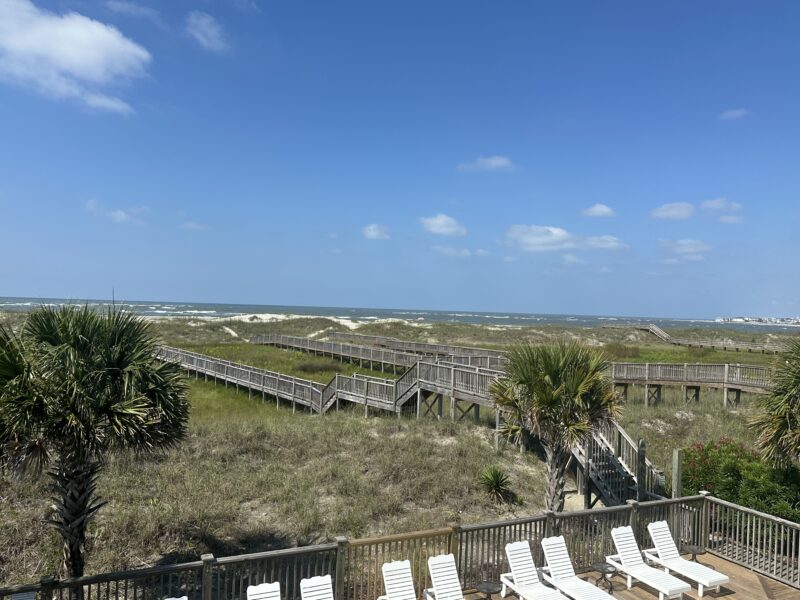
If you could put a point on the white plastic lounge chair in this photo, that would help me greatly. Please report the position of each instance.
(629, 561)
(398, 581)
(524, 578)
(316, 588)
(444, 577)
(666, 555)
(264, 591)
(560, 573)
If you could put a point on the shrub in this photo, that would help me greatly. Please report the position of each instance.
(617, 350)
(497, 485)
(734, 473)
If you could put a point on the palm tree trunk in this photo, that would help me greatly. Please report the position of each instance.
(75, 503)
(556, 460)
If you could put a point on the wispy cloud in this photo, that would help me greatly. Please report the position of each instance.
(734, 114)
(726, 211)
(67, 56)
(571, 259)
(451, 252)
(488, 163)
(674, 211)
(374, 231)
(685, 250)
(545, 238)
(132, 215)
(134, 9)
(442, 224)
(193, 226)
(206, 31)
(598, 210)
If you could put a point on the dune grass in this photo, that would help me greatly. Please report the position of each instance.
(252, 477)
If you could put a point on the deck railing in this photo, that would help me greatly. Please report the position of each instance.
(766, 544)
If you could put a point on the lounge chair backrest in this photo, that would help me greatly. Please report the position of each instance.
(397, 580)
(444, 577)
(557, 556)
(627, 548)
(264, 591)
(316, 588)
(521, 562)
(662, 538)
(24, 596)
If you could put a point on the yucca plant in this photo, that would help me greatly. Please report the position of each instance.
(560, 394)
(76, 385)
(496, 484)
(778, 423)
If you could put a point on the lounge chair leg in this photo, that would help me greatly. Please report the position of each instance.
(630, 582)
(700, 589)
(503, 591)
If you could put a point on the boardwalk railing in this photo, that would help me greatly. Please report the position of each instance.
(417, 347)
(745, 377)
(763, 543)
(726, 375)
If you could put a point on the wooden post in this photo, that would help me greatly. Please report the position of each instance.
(633, 519)
(641, 470)
(549, 523)
(46, 583)
(705, 523)
(208, 565)
(419, 400)
(677, 472)
(341, 567)
(440, 401)
(366, 406)
(725, 387)
(477, 408)
(455, 539)
(587, 465)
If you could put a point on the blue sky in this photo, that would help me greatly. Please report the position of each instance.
(621, 158)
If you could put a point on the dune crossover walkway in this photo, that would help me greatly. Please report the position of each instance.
(616, 464)
(717, 344)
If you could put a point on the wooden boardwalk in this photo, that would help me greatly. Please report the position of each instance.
(615, 463)
(736, 346)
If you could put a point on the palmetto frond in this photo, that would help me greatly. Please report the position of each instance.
(778, 424)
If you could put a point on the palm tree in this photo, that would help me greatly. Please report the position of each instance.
(76, 385)
(778, 424)
(560, 394)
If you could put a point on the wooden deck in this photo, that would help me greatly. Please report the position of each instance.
(744, 585)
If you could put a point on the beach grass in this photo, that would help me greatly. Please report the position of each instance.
(252, 477)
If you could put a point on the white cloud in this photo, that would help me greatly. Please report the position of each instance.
(133, 9)
(542, 238)
(734, 114)
(117, 215)
(488, 163)
(374, 231)
(685, 250)
(727, 207)
(720, 205)
(509, 259)
(481, 252)
(193, 226)
(603, 242)
(206, 31)
(443, 225)
(598, 210)
(67, 56)
(452, 252)
(674, 211)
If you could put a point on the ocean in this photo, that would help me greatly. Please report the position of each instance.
(366, 315)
